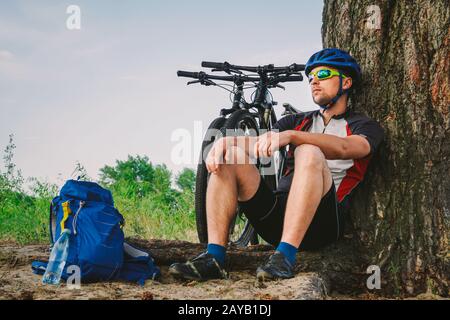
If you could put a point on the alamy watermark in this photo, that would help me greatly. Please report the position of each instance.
(74, 280)
(373, 20)
(73, 21)
(186, 150)
(374, 281)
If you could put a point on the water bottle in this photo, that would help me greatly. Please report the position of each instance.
(57, 260)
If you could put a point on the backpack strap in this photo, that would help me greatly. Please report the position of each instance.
(52, 219)
(52, 223)
(66, 213)
(38, 267)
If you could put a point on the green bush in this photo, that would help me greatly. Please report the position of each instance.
(151, 207)
(142, 192)
(24, 217)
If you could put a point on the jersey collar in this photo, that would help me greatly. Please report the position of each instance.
(336, 116)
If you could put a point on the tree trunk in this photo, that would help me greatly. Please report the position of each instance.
(401, 212)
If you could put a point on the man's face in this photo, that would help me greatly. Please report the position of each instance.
(324, 90)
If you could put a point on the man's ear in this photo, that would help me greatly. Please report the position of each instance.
(347, 83)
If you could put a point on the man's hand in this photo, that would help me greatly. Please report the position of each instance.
(270, 142)
(262, 146)
(215, 155)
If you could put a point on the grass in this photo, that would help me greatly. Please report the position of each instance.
(24, 218)
(142, 193)
(146, 218)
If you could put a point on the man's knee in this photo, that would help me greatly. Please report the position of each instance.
(238, 165)
(308, 155)
(235, 155)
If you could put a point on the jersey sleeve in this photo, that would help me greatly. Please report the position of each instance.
(287, 123)
(371, 130)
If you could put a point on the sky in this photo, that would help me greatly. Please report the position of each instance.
(97, 94)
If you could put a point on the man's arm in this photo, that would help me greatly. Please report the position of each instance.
(215, 156)
(333, 147)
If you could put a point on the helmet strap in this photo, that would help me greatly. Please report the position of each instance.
(337, 96)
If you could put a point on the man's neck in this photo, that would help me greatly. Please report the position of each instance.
(338, 108)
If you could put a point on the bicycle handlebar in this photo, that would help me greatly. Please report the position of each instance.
(297, 67)
(204, 76)
(187, 74)
(225, 66)
(213, 65)
(288, 79)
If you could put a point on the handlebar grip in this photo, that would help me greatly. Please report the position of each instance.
(212, 65)
(290, 78)
(297, 67)
(187, 74)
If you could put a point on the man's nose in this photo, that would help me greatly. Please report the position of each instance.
(314, 80)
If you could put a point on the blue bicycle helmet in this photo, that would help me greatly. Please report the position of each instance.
(340, 60)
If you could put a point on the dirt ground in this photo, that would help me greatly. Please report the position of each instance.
(17, 281)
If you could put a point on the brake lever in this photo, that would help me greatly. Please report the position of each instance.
(205, 82)
(277, 86)
(236, 71)
(192, 82)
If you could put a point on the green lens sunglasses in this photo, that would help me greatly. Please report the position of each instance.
(323, 74)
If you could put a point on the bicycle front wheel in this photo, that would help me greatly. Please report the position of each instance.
(201, 181)
(242, 123)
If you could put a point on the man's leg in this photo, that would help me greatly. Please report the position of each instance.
(236, 180)
(312, 180)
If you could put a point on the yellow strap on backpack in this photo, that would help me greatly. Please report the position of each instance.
(66, 212)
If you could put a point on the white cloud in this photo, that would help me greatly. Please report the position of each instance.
(6, 55)
(10, 68)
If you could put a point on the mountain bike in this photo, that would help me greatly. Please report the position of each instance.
(242, 118)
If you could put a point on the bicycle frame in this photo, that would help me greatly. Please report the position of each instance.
(265, 115)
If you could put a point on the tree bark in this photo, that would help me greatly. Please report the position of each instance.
(401, 211)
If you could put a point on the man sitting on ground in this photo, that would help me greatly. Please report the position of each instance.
(330, 150)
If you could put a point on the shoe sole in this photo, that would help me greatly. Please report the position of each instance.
(181, 276)
(262, 276)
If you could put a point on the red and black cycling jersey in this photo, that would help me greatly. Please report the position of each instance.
(346, 173)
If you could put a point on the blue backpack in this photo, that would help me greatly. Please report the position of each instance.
(96, 242)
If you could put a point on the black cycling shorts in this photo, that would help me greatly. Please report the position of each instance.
(266, 209)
